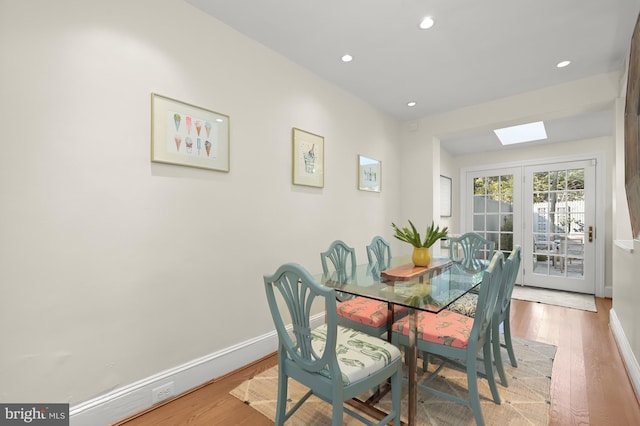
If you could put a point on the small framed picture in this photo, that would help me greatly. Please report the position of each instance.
(188, 135)
(308, 158)
(369, 174)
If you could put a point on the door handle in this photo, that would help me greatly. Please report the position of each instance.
(591, 234)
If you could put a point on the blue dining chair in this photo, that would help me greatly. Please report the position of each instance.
(379, 254)
(466, 305)
(457, 339)
(336, 363)
(342, 258)
(471, 250)
(503, 315)
(360, 313)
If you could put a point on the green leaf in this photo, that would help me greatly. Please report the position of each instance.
(411, 235)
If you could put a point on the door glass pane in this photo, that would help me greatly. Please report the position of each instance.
(540, 197)
(478, 186)
(561, 177)
(495, 237)
(506, 189)
(506, 244)
(493, 223)
(493, 184)
(479, 204)
(506, 234)
(575, 179)
(540, 180)
(506, 223)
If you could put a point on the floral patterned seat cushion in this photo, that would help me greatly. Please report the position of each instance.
(359, 354)
(466, 305)
(369, 312)
(446, 328)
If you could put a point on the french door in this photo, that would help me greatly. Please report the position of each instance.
(549, 210)
(560, 226)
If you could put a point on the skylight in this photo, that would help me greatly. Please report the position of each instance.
(522, 133)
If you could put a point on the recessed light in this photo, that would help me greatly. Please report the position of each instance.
(523, 133)
(347, 58)
(426, 23)
(411, 104)
(563, 64)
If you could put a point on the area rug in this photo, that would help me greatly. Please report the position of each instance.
(585, 302)
(525, 401)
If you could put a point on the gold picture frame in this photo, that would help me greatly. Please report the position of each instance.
(308, 158)
(369, 174)
(188, 135)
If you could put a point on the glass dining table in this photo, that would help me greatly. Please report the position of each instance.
(428, 289)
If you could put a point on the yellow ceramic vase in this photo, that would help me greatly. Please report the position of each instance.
(421, 256)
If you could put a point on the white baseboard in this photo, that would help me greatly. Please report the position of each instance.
(629, 359)
(136, 397)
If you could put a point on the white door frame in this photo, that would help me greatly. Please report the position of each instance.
(600, 236)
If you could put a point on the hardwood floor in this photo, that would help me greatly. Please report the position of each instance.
(589, 383)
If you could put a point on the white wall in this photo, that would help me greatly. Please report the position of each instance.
(114, 268)
(624, 317)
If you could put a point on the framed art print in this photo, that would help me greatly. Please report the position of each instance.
(369, 174)
(308, 158)
(188, 135)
